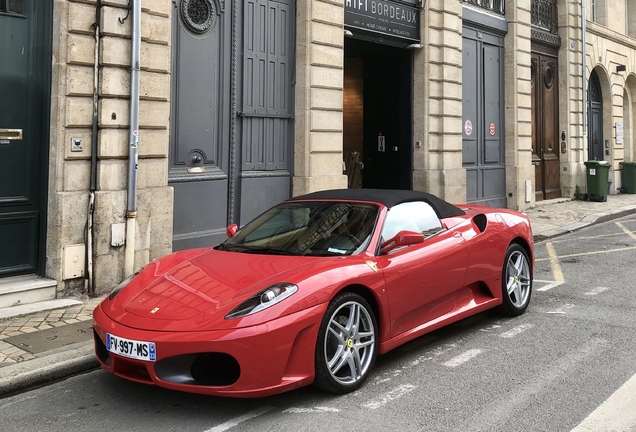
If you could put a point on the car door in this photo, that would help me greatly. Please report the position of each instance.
(421, 279)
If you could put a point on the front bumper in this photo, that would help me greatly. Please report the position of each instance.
(271, 358)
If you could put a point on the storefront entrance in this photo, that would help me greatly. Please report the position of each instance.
(378, 115)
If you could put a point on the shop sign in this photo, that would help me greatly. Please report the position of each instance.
(384, 17)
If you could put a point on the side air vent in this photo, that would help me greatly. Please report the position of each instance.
(480, 222)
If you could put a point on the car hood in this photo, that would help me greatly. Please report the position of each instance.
(197, 287)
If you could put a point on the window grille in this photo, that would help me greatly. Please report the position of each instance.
(543, 14)
(497, 6)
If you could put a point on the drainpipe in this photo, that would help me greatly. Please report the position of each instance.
(133, 138)
(89, 283)
(583, 66)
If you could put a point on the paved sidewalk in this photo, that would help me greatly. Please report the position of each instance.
(560, 216)
(42, 347)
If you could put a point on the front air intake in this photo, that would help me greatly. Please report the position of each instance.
(215, 369)
(100, 350)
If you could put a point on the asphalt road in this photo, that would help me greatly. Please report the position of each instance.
(566, 364)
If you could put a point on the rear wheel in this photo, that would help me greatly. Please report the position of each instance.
(516, 281)
(347, 344)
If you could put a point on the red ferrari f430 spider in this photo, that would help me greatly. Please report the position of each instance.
(311, 291)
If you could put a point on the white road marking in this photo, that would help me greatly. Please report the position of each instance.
(516, 330)
(617, 413)
(310, 410)
(238, 420)
(549, 284)
(562, 309)
(380, 381)
(597, 291)
(494, 414)
(463, 358)
(490, 328)
(382, 378)
(434, 353)
(388, 397)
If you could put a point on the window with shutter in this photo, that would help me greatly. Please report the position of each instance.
(267, 84)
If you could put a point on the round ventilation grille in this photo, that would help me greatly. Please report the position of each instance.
(198, 15)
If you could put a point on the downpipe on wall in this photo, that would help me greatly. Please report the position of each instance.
(583, 65)
(89, 283)
(133, 139)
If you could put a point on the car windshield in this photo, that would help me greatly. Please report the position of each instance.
(312, 228)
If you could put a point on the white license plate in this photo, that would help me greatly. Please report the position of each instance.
(131, 348)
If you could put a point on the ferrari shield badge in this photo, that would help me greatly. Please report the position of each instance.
(154, 311)
(373, 266)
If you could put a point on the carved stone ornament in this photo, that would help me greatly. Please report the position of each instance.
(548, 75)
(533, 71)
(545, 37)
(198, 15)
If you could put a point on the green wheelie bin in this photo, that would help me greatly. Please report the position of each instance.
(597, 180)
(629, 176)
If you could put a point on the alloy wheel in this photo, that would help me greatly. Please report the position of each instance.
(349, 346)
(518, 282)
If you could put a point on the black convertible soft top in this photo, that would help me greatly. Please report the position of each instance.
(387, 197)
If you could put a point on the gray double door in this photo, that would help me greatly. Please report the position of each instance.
(232, 114)
(483, 124)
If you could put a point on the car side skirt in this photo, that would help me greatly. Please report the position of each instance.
(444, 320)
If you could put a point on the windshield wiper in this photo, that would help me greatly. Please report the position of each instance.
(258, 249)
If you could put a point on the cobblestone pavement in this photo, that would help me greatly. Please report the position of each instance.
(10, 354)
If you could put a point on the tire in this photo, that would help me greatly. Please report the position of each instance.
(516, 281)
(347, 344)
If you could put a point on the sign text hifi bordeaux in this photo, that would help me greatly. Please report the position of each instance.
(384, 17)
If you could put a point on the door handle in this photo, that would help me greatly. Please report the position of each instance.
(458, 236)
(11, 134)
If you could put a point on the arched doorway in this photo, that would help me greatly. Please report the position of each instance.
(595, 119)
(627, 126)
(629, 118)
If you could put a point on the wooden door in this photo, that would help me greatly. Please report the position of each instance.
(545, 120)
(25, 65)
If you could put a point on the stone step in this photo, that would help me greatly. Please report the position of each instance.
(32, 308)
(21, 290)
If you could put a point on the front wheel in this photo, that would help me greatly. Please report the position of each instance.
(347, 344)
(516, 281)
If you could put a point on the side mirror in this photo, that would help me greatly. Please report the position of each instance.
(231, 230)
(401, 239)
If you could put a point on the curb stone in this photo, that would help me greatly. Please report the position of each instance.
(22, 376)
(588, 220)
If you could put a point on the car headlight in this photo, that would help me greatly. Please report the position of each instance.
(122, 285)
(264, 299)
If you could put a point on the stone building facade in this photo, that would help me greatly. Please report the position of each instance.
(430, 151)
(72, 111)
